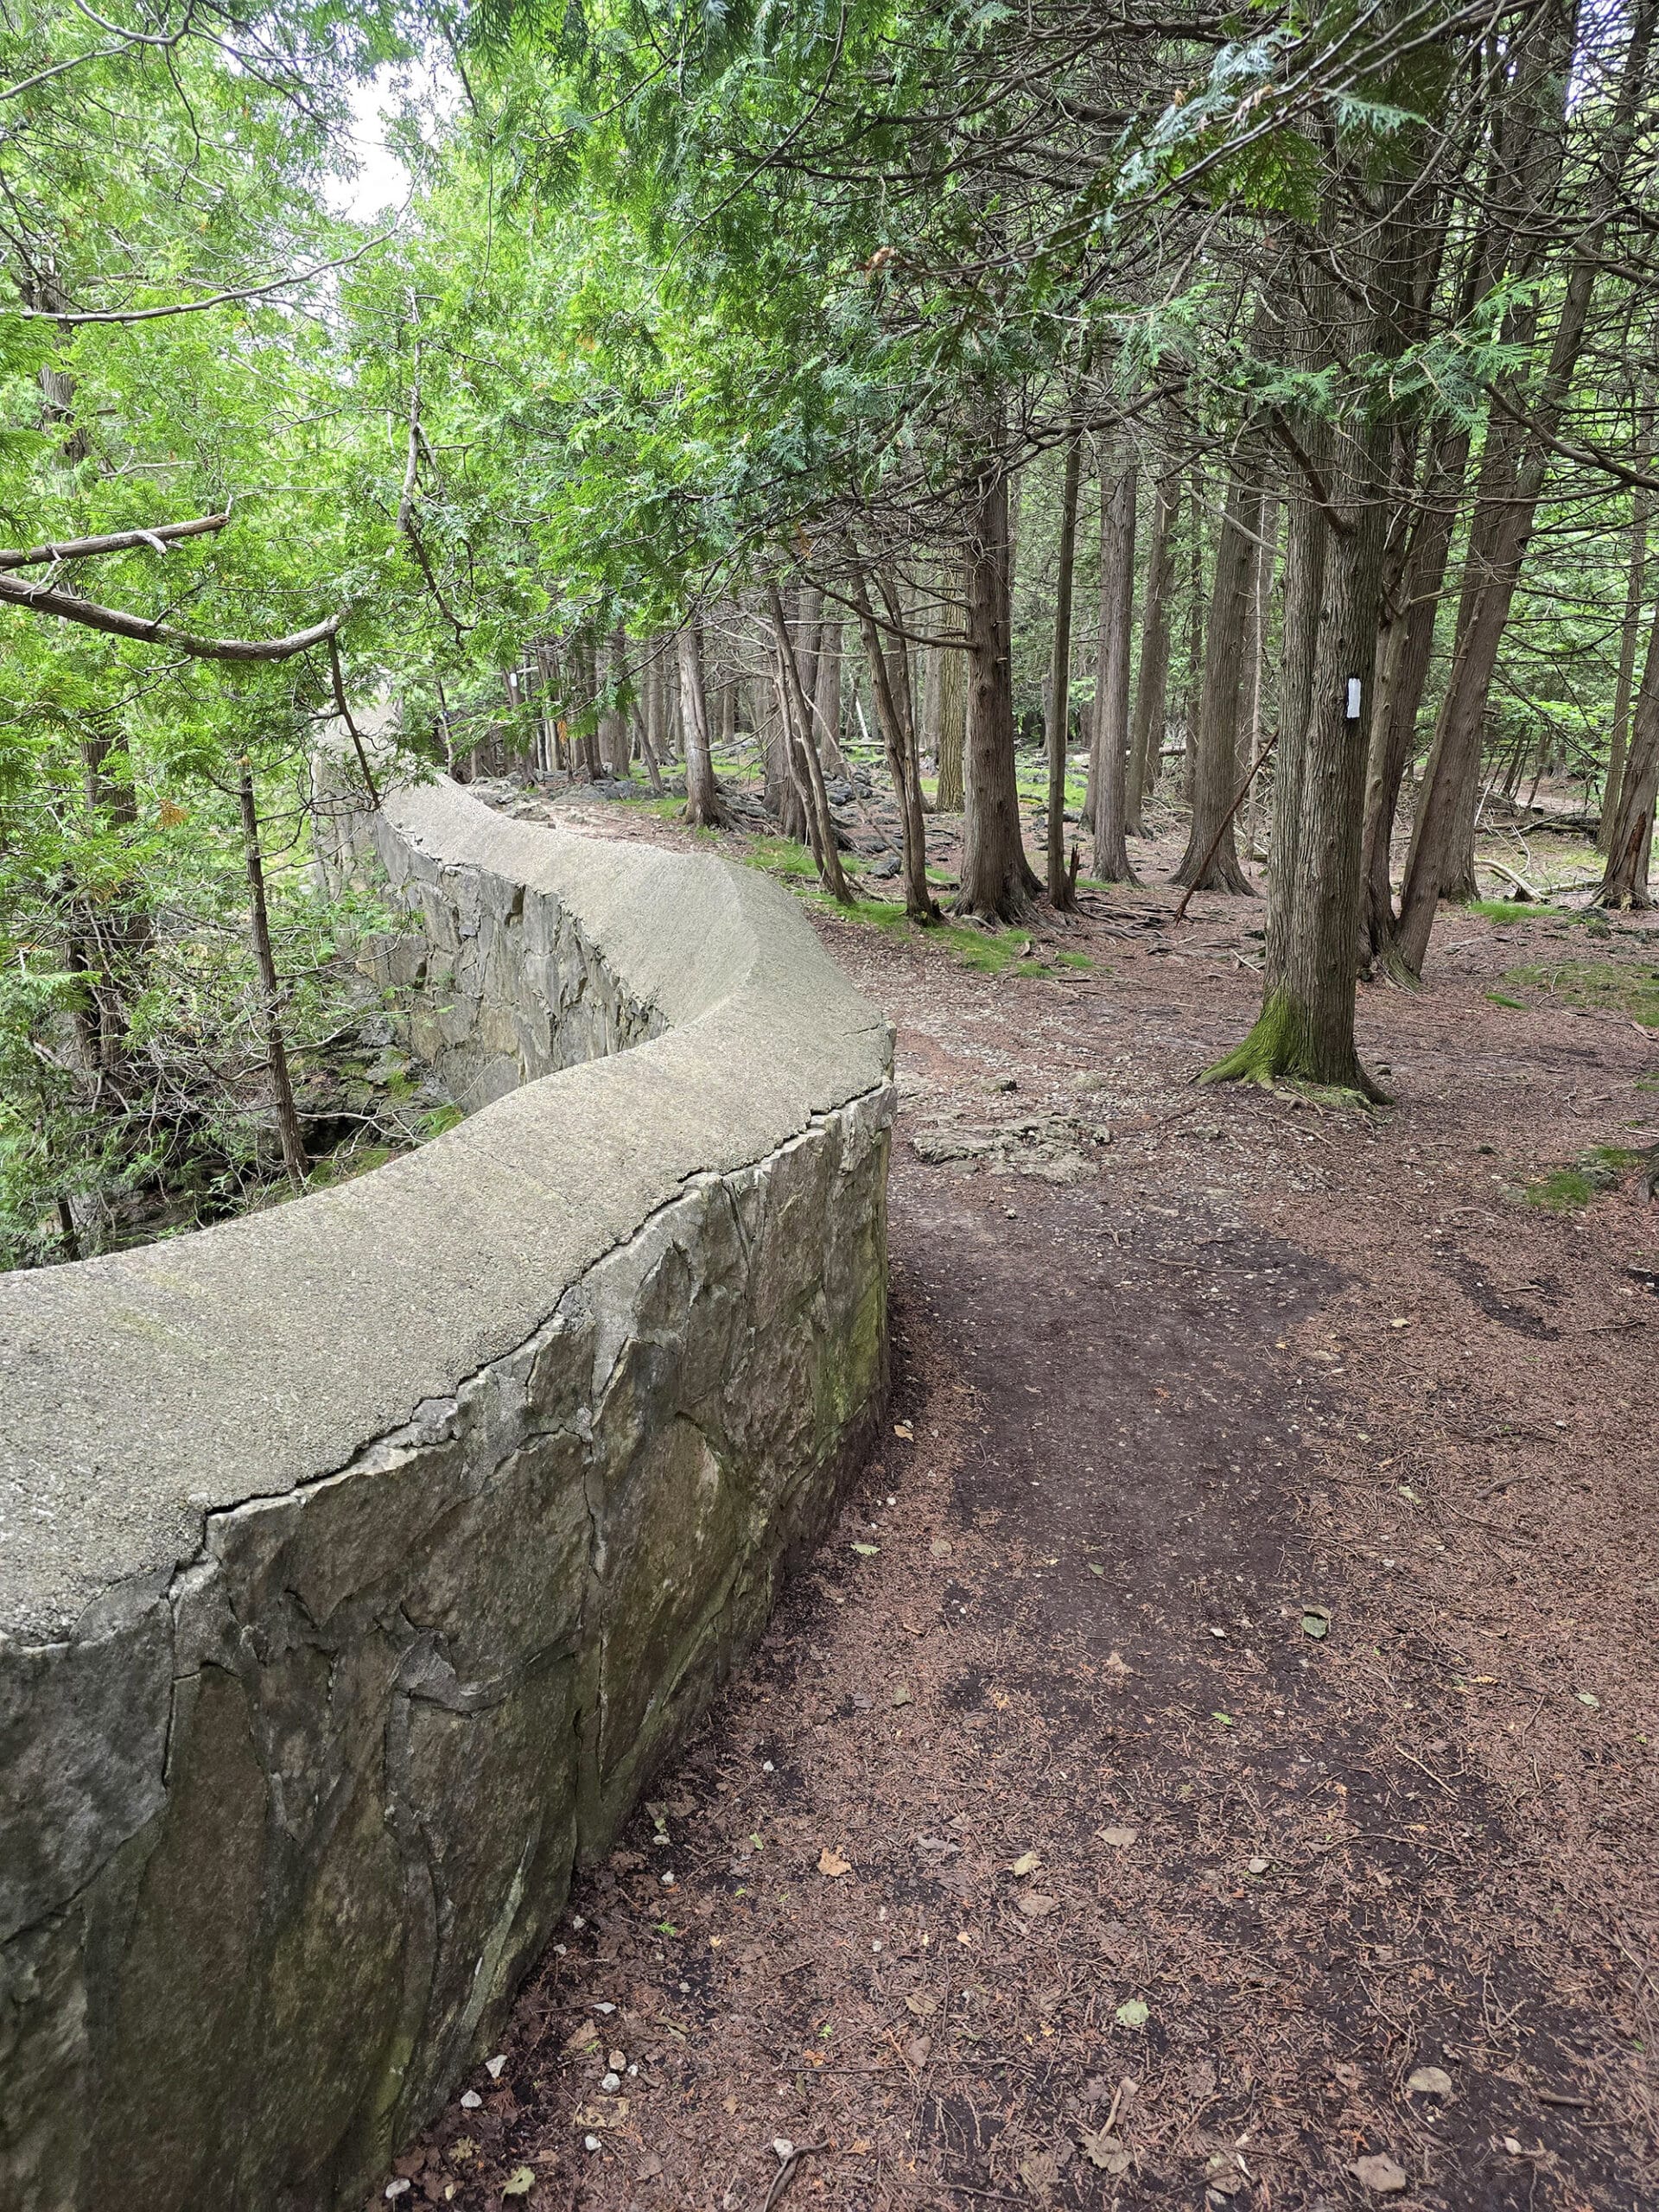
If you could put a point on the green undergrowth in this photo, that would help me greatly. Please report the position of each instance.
(780, 856)
(984, 952)
(1603, 984)
(1565, 1190)
(1033, 786)
(1518, 910)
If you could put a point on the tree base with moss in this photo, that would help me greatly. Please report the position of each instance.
(1287, 1044)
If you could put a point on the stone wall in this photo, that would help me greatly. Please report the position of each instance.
(508, 984)
(359, 1559)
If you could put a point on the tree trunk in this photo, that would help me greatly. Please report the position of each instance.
(949, 794)
(1521, 424)
(1194, 641)
(1306, 539)
(728, 696)
(620, 746)
(647, 752)
(1635, 590)
(1111, 741)
(704, 809)
(997, 882)
(282, 1088)
(1060, 702)
(1630, 847)
(932, 663)
(798, 711)
(1153, 686)
(1403, 661)
(827, 699)
(1267, 555)
(1215, 778)
(891, 688)
(1306, 1028)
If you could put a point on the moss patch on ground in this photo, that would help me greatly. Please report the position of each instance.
(1605, 984)
(1517, 910)
(1565, 1190)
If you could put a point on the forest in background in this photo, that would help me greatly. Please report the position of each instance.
(1258, 404)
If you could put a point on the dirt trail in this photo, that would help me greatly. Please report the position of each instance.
(1229, 1691)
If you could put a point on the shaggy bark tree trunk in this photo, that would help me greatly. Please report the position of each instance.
(1111, 741)
(892, 691)
(1194, 639)
(1306, 1028)
(1403, 661)
(1521, 425)
(1215, 776)
(804, 739)
(1059, 688)
(1152, 686)
(1267, 557)
(1635, 589)
(1629, 849)
(827, 695)
(997, 882)
(704, 809)
(619, 750)
(949, 794)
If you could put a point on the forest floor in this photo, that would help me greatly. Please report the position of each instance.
(1212, 1759)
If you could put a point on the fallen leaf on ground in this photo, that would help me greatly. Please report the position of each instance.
(1132, 2013)
(866, 1551)
(901, 1695)
(1105, 2150)
(1035, 1905)
(832, 1862)
(903, 1428)
(921, 2004)
(1039, 2171)
(1120, 1839)
(917, 2049)
(1316, 1622)
(1430, 2081)
(519, 2181)
(1378, 2173)
(1027, 1863)
(605, 2115)
(1115, 1663)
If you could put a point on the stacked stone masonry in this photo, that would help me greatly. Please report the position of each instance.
(359, 1559)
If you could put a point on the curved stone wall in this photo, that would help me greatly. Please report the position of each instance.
(359, 1559)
